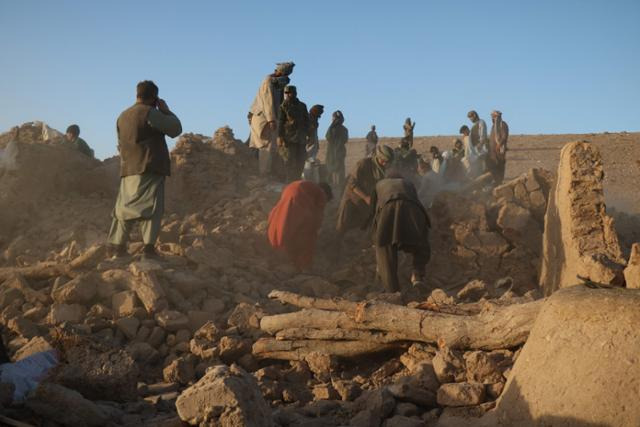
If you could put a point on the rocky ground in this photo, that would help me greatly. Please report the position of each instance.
(178, 340)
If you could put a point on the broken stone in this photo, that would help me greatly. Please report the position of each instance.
(33, 346)
(23, 326)
(197, 319)
(322, 365)
(348, 390)
(148, 288)
(232, 348)
(98, 372)
(68, 407)
(157, 337)
(181, 370)
(632, 271)
(80, 290)
(409, 389)
(324, 392)
(482, 368)
(224, 396)
(579, 237)
(172, 320)
(128, 326)
(143, 352)
(449, 366)
(59, 313)
(374, 406)
(246, 317)
(124, 303)
(461, 394)
(494, 390)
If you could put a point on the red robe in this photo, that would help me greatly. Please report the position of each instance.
(295, 220)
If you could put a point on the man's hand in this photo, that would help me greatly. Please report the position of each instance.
(162, 106)
(280, 142)
(367, 200)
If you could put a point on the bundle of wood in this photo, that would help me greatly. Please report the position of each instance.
(348, 329)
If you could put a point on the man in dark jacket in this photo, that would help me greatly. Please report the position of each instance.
(144, 164)
(400, 222)
(293, 133)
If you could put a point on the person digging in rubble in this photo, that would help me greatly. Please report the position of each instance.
(264, 113)
(337, 137)
(72, 138)
(295, 220)
(144, 164)
(293, 133)
(400, 223)
(405, 160)
(356, 200)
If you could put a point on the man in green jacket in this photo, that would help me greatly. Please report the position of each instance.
(72, 137)
(144, 164)
(293, 133)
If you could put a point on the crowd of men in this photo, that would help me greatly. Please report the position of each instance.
(387, 193)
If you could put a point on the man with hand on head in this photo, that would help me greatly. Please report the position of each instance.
(144, 164)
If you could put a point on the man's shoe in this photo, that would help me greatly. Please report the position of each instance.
(116, 251)
(149, 252)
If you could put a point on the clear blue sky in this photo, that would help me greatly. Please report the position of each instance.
(550, 66)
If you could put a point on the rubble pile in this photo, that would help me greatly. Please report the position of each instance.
(201, 336)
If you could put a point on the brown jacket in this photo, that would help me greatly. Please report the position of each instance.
(142, 148)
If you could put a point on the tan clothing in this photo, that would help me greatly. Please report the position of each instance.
(498, 139)
(265, 109)
(479, 133)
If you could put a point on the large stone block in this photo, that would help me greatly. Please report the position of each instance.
(579, 237)
(580, 365)
(225, 396)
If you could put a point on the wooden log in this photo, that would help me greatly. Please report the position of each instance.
(493, 328)
(334, 304)
(41, 270)
(338, 335)
(270, 348)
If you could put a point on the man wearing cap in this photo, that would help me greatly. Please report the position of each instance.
(72, 137)
(293, 133)
(144, 164)
(355, 206)
(264, 115)
(497, 156)
(400, 222)
(337, 137)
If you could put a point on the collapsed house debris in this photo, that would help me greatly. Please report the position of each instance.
(221, 332)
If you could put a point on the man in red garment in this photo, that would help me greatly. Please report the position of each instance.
(295, 220)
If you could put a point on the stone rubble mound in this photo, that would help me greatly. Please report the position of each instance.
(159, 343)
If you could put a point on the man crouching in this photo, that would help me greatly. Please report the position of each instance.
(144, 164)
(400, 222)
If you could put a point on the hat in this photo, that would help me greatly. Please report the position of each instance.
(291, 89)
(285, 68)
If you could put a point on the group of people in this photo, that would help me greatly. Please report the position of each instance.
(285, 133)
(379, 195)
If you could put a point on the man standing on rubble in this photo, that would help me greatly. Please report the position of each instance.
(337, 137)
(72, 137)
(372, 142)
(497, 156)
(293, 133)
(295, 220)
(400, 222)
(478, 134)
(144, 164)
(264, 114)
